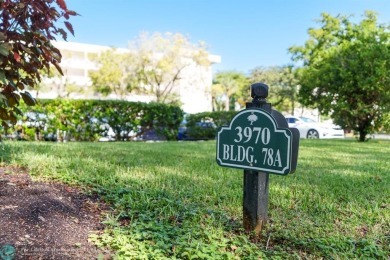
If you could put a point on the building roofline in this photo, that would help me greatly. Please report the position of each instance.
(94, 48)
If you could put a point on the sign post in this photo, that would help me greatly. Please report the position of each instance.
(259, 141)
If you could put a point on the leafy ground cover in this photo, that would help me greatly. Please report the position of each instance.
(171, 200)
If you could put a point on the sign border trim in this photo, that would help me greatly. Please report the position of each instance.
(278, 130)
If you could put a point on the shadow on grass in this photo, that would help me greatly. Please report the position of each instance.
(171, 200)
(160, 207)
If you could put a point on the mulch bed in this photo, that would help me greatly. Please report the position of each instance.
(40, 220)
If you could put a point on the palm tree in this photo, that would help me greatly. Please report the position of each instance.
(227, 85)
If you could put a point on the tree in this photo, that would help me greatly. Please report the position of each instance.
(386, 123)
(26, 29)
(61, 85)
(161, 61)
(345, 71)
(153, 66)
(116, 73)
(226, 88)
(283, 85)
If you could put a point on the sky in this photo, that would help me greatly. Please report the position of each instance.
(246, 33)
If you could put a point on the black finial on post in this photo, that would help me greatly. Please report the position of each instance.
(259, 93)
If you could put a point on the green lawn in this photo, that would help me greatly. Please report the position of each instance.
(171, 200)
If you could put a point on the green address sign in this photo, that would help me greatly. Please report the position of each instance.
(253, 141)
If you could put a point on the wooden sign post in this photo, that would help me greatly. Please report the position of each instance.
(259, 141)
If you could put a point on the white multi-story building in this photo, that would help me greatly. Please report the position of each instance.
(193, 89)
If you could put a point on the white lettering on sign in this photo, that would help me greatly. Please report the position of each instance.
(264, 134)
(272, 158)
(237, 153)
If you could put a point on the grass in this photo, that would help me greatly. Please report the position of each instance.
(171, 200)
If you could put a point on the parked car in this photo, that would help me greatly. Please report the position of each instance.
(309, 128)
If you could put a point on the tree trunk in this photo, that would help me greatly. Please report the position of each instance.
(292, 105)
(227, 103)
(36, 134)
(362, 135)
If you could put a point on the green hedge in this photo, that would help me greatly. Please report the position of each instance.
(87, 120)
(218, 118)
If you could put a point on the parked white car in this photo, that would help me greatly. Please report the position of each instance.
(308, 128)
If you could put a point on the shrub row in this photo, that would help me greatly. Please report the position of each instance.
(203, 131)
(87, 120)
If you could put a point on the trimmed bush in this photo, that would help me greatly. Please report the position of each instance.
(198, 125)
(87, 120)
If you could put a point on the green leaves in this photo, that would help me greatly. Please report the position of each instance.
(86, 120)
(25, 44)
(228, 85)
(3, 114)
(28, 99)
(345, 72)
(3, 78)
(5, 49)
(283, 86)
(143, 71)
